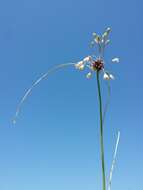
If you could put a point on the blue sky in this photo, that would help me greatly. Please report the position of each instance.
(55, 143)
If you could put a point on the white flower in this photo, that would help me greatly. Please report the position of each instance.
(97, 39)
(96, 63)
(108, 29)
(107, 76)
(111, 76)
(106, 33)
(115, 60)
(107, 42)
(94, 34)
(80, 65)
(87, 59)
(89, 75)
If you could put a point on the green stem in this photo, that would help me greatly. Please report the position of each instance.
(101, 134)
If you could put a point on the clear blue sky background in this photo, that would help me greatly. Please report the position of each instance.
(55, 143)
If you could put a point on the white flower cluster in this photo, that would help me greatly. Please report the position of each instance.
(81, 64)
(97, 63)
(89, 61)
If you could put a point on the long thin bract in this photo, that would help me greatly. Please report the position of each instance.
(44, 76)
(113, 162)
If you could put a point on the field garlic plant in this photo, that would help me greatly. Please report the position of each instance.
(96, 66)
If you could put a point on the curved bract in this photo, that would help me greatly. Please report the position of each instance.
(43, 77)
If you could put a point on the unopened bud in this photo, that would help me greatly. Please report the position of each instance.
(115, 60)
(108, 29)
(97, 39)
(107, 42)
(94, 34)
(106, 76)
(89, 75)
(79, 65)
(111, 77)
(87, 59)
(92, 43)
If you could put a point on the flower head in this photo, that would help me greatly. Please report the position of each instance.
(92, 63)
(97, 63)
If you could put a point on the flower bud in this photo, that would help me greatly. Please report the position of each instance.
(79, 65)
(89, 75)
(115, 60)
(111, 77)
(92, 44)
(97, 39)
(87, 59)
(108, 30)
(105, 34)
(106, 76)
(94, 34)
(107, 42)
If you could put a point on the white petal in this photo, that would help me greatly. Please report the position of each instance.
(87, 59)
(107, 42)
(102, 40)
(81, 67)
(111, 76)
(94, 34)
(106, 33)
(108, 29)
(79, 64)
(89, 75)
(115, 60)
(106, 76)
(97, 39)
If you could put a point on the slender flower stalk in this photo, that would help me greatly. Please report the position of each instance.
(101, 134)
